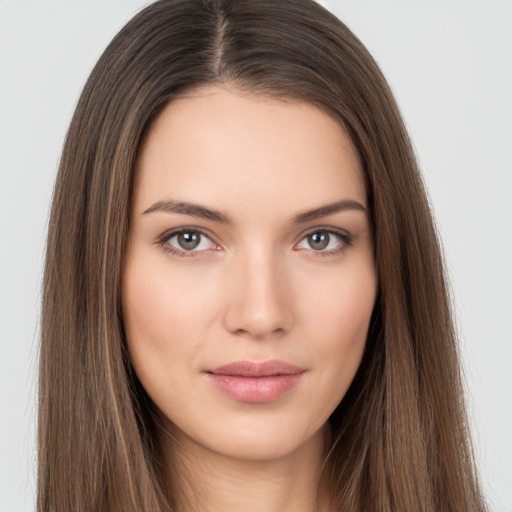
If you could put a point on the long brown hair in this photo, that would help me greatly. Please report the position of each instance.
(400, 439)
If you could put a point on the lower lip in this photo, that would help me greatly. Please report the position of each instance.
(254, 390)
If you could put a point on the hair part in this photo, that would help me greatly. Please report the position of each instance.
(400, 437)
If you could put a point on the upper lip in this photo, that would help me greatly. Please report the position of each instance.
(255, 369)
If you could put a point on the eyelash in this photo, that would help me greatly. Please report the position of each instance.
(346, 240)
(163, 241)
(168, 235)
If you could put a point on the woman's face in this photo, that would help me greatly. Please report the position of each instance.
(249, 279)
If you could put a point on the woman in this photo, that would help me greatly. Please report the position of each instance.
(244, 301)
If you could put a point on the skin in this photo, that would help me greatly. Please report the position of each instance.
(254, 289)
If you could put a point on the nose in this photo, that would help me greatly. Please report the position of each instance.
(259, 299)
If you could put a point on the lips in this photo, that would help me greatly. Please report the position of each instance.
(251, 382)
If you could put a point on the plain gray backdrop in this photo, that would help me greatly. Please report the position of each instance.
(449, 63)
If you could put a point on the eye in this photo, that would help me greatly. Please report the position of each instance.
(187, 241)
(325, 241)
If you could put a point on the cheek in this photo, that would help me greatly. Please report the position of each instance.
(338, 304)
(165, 319)
(338, 321)
(160, 304)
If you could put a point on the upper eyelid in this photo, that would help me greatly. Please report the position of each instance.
(329, 229)
(167, 235)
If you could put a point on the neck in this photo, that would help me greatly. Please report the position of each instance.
(204, 480)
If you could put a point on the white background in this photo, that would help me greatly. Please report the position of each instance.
(450, 65)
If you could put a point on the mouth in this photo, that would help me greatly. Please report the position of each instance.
(251, 382)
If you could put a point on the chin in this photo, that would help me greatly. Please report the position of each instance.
(252, 440)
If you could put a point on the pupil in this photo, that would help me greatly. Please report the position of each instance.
(319, 240)
(189, 241)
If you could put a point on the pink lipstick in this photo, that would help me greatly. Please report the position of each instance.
(255, 383)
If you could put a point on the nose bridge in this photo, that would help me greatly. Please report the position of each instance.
(259, 301)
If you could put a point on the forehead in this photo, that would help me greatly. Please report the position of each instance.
(217, 146)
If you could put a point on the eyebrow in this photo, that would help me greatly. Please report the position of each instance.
(192, 209)
(328, 209)
(202, 212)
